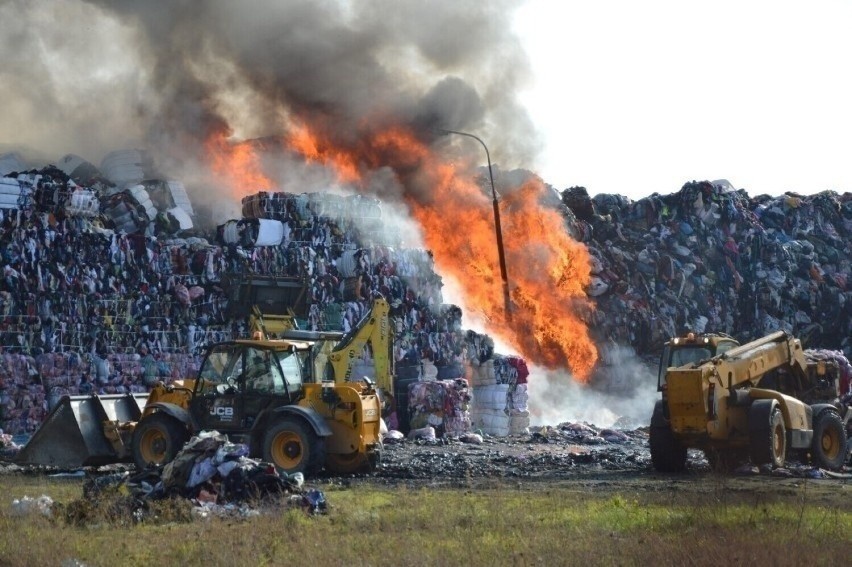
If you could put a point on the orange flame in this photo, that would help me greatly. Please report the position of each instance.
(307, 143)
(547, 270)
(237, 164)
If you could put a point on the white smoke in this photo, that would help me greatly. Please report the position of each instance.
(622, 393)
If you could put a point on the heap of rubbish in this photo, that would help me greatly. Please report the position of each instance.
(712, 258)
(212, 475)
(111, 283)
(113, 280)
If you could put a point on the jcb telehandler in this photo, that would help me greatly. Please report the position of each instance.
(739, 402)
(259, 392)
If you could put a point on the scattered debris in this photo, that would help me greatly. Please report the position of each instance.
(26, 506)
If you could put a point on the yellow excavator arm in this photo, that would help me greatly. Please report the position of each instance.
(749, 362)
(373, 329)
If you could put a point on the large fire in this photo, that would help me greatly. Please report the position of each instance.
(547, 270)
(237, 164)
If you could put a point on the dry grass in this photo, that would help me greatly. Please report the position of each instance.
(521, 525)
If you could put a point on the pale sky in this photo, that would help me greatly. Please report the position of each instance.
(639, 97)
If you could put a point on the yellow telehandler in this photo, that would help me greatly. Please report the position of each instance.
(739, 402)
(259, 392)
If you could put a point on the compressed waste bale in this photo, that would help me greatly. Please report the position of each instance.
(442, 404)
(125, 167)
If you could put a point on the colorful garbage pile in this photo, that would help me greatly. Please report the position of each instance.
(8, 447)
(217, 478)
(218, 475)
(712, 258)
(106, 288)
(108, 284)
(214, 476)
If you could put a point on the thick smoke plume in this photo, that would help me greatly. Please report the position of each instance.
(336, 80)
(89, 77)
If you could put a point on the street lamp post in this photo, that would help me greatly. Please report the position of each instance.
(497, 226)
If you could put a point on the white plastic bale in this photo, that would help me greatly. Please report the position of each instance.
(487, 370)
(492, 422)
(124, 167)
(492, 397)
(9, 186)
(518, 398)
(8, 202)
(229, 232)
(10, 193)
(29, 179)
(519, 423)
(143, 198)
(499, 423)
(346, 264)
(182, 217)
(483, 374)
(180, 196)
(269, 233)
(125, 175)
(83, 203)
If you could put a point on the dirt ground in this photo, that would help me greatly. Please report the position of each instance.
(586, 459)
(574, 455)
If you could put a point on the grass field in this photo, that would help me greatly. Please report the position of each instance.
(515, 524)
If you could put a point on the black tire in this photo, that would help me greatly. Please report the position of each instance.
(375, 458)
(667, 454)
(828, 448)
(292, 446)
(347, 463)
(157, 439)
(767, 434)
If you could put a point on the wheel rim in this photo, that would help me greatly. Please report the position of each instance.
(830, 443)
(286, 450)
(778, 442)
(153, 446)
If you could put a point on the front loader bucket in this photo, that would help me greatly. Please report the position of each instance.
(72, 436)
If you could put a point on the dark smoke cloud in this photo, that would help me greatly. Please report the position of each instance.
(93, 76)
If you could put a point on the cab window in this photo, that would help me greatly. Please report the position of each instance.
(259, 375)
(291, 366)
(221, 367)
(680, 356)
(725, 346)
(272, 371)
(688, 355)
